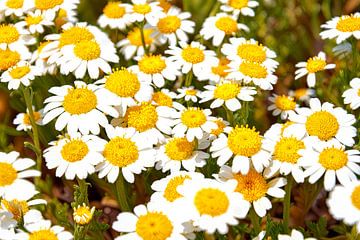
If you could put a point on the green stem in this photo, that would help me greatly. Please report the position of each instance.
(255, 220)
(121, 194)
(83, 188)
(287, 203)
(80, 198)
(229, 116)
(244, 113)
(143, 39)
(188, 79)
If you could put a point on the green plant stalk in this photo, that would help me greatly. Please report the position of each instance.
(287, 202)
(229, 116)
(143, 39)
(81, 230)
(255, 220)
(121, 194)
(244, 113)
(188, 79)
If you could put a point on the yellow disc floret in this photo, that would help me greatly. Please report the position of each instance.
(142, 8)
(193, 117)
(154, 226)
(134, 37)
(15, 4)
(8, 34)
(301, 92)
(142, 117)
(162, 99)
(83, 214)
(123, 83)
(315, 64)
(74, 151)
(285, 103)
(348, 24)
(322, 124)
(114, 10)
(152, 64)
(226, 24)
(47, 4)
(193, 55)
(253, 52)
(8, 174)
(252, 186)
(179, 149)
(287, 148)
(211, 201)
(221, 68)
(169, 24)
(33, 20)
(220, 127)
(87, 50)
(355, 197)
(244, 141)
(44, 234)
(8, 59)
(79, 101)
(27, 121)
(238, 4)
(227, 91)
(121, 152)
(19, 72)
(253, 69)
(171, 193)
(17, 208)
(333, 158)
(75, 35)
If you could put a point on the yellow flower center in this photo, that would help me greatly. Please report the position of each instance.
(27, 121)
(193, 117)
(301, 92)
(75, 35)
(74, 151)
(252, 52)
(14, 4)
(134, 37)
(322, 124)
(348, 24)
(33, 20)
(221, 68)
(285, 103)
(333, 158)
(227, 91)
(8, 174)
(152, 64)
(154, 226)
(355, 197)
(244, 141)
(211, 201)
(142, 118)
(142, 8)
(165, 5)
(17, 208)
(252, 186)
(191, 92)
(87, 50)
(8, 34)
(61, 18)
(82, 215)
(44, 234)
(193, 55)
(315, 64)
(179, 149)
(114, 10)
(19, 72)
(123, 83)
(162, 99)
(121, 152)
(79, 101)
(8, 59)
(227, 25)
(169, 24)
(253, 69)
(238, 4)
(220, 127)
(47, 4)
(171, 193)
(286, 150)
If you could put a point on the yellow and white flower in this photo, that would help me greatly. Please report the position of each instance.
(295, 235)
(189, 94)
(324, 122)
(83, 214)
(312, 66)
(352, 95)
(81, 108)
(20, 74)
(165, 98)
(342, 28)
(344, 203)
(220, 26)
(302, 94)
(15, 37)
(228, 93)
(245, 146)
(9, 58)
(36, 21)
(116, 15)
(22, 120)
(281, 105)
(216, 71)
(222, 128)
(15, 7)
(42, 62)
(53, 7)
(142, 10)
(243, 7)
(126, 151)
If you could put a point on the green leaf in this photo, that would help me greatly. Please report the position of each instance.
(318, 229)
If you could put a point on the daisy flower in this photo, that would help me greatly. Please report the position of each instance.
(165, 98)
(189, 94)
(282, 105)
(191, 57)
(83, 214)
(212, 205)
(177, 152)
(222, 127)
(332, 160)
(351, 96)
(53, 7)
(20, 74)
(154, 221)
(81, 108)
(219, 26)
(295, 235)
(228, 93)
(115, 15)
(36, 21)
(173, 26)
(9, 58)
(254, 188)
(126, 151)
(142, 10)
(42, 62)
(15, 7)
(216, 72)
(14, 37)
(12, 174)
(312, 66)
(155, 68)
(342, 28)
(302, 94)
(243, 7)
(344, 203)
(324, 122)
(22, 120)
(245, 145)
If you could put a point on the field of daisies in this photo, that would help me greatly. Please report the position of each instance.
(176, 120)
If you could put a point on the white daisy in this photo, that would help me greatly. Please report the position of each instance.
(53, 7)
(83, 214)
(142, 10)
(216, 71)
(81, 108)
(165, 98)
(42, 62)
(20, 74)
(189, 94)
(222, 128)
(9, 58)
(18, 8)
(295, 235)
(116, 15)
(312, 66)
(281, 105)
(22, 120)
(126, 151)
(352, 95)
(302, 94)
(245, 7)
(15, 37)
(36, 21)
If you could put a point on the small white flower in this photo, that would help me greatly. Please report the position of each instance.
(36, 21)
(23, 120)
(142, 10)
(295, 235)
(302, 94)
(18, 8)
(282, 105)
(189, 94)
(243, 7)
(352, 95)
(116, 15)
(22, 73)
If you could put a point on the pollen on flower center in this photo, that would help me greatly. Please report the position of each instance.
(355, 197)
(221, 68)
(322, 124)
(32, 20)
(227, 25)
(193, 117)
(42, 235)
(16, 207)
(27, 121)
(47, 4)
(75, 35)
(8, 174)
(134, 37)
(253, 69)
(123, 83)
(152, 64)
(154, 226)
(315, 64)
(333, 158)
(286, 150)
(191, 92)
(171, 193)
(87, 50)
(220, 127)
(253, 52)
(142, 117)
(8, 59)
(121, 152)
(114, 10)
(19, 72)
(169, 24)
(179, 149)
(252, 186)
(79, 101)
(227, 91)
(211, 201)
(238, 4)
(14, 4)
(285, 103)
(193, 55)
(348, 24)
(83, 214)
(74, 151)
(8, 34)
(142, 8)
(244, 141)
(162, 99)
